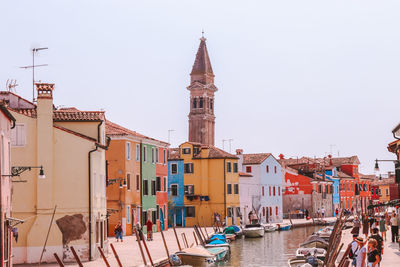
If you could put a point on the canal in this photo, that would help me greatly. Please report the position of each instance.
(274, 249)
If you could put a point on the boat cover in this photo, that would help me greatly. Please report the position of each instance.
(217, 242)
(314, 238)
(236, 228)
(229, 230)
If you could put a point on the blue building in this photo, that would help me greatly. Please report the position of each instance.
(176, 208)
(332, 176)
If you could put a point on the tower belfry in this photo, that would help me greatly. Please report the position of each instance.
(202, 88)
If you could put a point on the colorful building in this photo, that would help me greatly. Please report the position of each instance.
(176, 207)
(161, 150)
(67, 146)
(331, 174)
(211, 184)
(266, 179)
(7, 123)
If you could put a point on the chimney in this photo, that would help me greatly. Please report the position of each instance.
(239, 151)
(330, 160)
(281, 156)
(45, 141)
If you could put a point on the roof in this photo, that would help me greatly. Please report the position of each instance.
(6, 112)
(73, 114)
(343, 175)
(75, 133)
(216, 153)
(113, 129)
(326, 161)
(257, 158)
(367, 176)
(202, 63)
(174, 154)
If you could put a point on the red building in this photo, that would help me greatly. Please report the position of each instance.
(375, 193)
(162, 186)
(347, 190)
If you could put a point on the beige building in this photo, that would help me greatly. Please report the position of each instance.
(70, 145)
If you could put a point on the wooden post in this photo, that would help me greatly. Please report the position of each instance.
(202, 242)
(147, 250)
(116, 255)
(103, 256)
(195, 238)
(76, 257)
(140, 247)
(47, 237)
(177, 240)
(205, 230)
(165, 244)
(185, 240)
(58, 260)
(204, 237)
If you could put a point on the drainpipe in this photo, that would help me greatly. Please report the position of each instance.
(141, 182)
(226, 219)
(98, 132)
(90, 201)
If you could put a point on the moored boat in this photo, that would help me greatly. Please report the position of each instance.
(253, 230)
(315, 241)
(302, 253)
(270, 228)
(304, 262)
(196, 256)
(283, 226)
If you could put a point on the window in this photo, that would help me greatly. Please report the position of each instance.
(267, 169)
(186, 150)
(194, 102)
(158, 183)
(145, 187)
(128, 214)
(236, 189)
(211, 104)
(235, 167)
(128, 150)
(174, 168)
(128, 181)
(228, 167)
(201, 103)
(137, 152)
(165, 184)
(238, 213)
(279, 190)
(188, 168)
(248, 169)
(164, 156)
(263, 211)
(157, 151)
(229, 212)
(276, 210)
(319, 189)
(18, 135)
(263, 190)
(144, 154)
(152, 155)
(158, 211)
(188, 190)
(153, 187)
(174, 190)
(269, 190)
(229, 189)
(274, 190)
(190, 212)
(196, 150)
(387, 192)
(137, 182)
(153, 217)
(275, 169)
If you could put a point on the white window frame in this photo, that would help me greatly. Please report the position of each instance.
(137, 152)
(144, 153)
(128, 150)
(152, 155)
(157, 151)
(177, 190)
(176, 164)
(128, 214)
(165, 156)
(128, 184)
(16, 131)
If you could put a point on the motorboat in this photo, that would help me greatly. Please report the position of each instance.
(325, 233)
(270, 228)
(315, 241)
(302, 253)
(253, 230)
(305, 262)
(217, 243)
(200, 256)
(284, 226)
(233, 229)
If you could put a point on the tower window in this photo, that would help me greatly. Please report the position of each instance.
(211, 104)
(194, 102)
(201, 103)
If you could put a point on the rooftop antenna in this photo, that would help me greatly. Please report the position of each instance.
(230, 144)
(330, 147)
(33, 66)
(169, 135)
(11, 85)
(202, 33)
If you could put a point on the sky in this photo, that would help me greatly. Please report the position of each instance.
(301, 78)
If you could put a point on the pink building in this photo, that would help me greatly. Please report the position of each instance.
(7, 122)
(162, 186)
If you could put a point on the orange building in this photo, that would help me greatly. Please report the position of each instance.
(123, 178)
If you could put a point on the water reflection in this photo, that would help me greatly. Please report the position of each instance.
(274, 249)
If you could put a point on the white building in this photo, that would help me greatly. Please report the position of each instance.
(260, 186)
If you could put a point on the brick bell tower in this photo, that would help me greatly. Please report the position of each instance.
(202, 88)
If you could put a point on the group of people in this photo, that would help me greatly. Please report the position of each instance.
(368, 252)
(118, 231)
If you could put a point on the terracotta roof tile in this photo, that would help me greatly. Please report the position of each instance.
(258, 158)
(216, 153)
(73, 114)
(174, 154)
(202, 64)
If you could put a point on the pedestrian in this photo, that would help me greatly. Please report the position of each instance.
(323, 212)
(382, 226)
(353, 249)
(337, 212)
(379, 246)
(318, 213)
(149, 228)
(356, 226)
(394, 223)
(373, 253)
(306, 213)
(365, 225)
(118, 231)
(361, 253)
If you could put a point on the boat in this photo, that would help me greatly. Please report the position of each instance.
(284, 226)
(253, 230)
(270, 228)
(325, 233)
(233, 229)
(304, 263)
(315, 241)
(302, 253)
(217, 243)
(200, 256)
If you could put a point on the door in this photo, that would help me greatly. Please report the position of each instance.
(178, 213)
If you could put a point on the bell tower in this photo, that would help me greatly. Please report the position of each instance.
(202, 88)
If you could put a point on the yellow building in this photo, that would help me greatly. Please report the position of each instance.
(211, 184)
(384, 193)
(70, 145)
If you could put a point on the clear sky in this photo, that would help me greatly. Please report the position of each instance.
(294, 77)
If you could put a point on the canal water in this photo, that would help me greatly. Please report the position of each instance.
(274, 249)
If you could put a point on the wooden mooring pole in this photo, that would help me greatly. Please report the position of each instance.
(103, 256)
(116, 255)
(78, 260)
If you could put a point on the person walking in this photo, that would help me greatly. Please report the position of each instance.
(382, 227)
(361, 253)
(118, 231)
(353, 250)
(379, 246)
(356, 226)
(365, 225)
(394, 223)
(323, 212)
(149, 228)
(373, 253)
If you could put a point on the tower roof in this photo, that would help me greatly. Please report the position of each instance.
(202, 63)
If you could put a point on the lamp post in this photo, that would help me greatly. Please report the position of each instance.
(396, 171)
(122, 182)
(18, 170)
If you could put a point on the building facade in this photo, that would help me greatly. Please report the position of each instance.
(176, 207)
(161, 150)
(7, 123)
(69, 145)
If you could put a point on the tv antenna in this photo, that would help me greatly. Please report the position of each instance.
(11, 85)
(33, 66)
(230, 144)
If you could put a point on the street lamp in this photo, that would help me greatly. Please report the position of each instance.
(18, 170)
(122, 182)
(396, 170)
